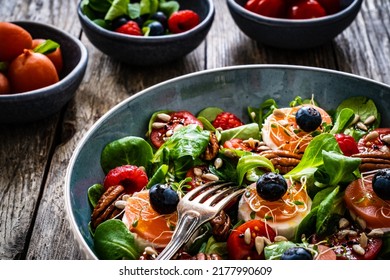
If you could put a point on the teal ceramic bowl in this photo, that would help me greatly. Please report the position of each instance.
(231, 88)
(293, 34)
(151, 50)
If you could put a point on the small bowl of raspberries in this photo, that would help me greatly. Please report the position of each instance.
(152, 33)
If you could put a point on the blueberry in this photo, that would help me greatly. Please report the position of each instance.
(308, 118)
(160, 17)
(381, 184)
(271, 186)
(163, 198)
(156, 28)
(119, 21)
(296, 253)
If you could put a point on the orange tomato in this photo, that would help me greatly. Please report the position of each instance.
(55, 56)
(13, 40)
(361, 199)
(4, 84)
(281, 131)
(146, 223)
(30, 71)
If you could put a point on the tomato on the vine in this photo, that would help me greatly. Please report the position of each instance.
(268, 8)
(238, 246)
(306, 9)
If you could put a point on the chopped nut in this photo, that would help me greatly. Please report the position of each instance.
(343, 223)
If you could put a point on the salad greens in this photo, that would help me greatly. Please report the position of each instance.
(324, 169)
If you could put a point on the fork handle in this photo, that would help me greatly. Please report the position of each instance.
(186, 226)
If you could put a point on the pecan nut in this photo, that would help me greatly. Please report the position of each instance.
(221, 226)
(373, 160)
(212, 148)
(105, 208)
(285, 161)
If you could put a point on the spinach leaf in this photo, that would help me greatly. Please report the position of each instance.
(183, 149)
(344, 118)
(113, 241)
(128, 150)
(158, 176)
(329, 212)
(312, 157)
(149, 7)
(101, 6)
(117, 9)
(168, 7)
(94, 193)
(210, 113)
(275, 250)
(308, 225)
(247, 163)
(258, 115)
(242, 132)
(340, 168)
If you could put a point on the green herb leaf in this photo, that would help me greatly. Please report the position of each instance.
(128, 150)
(242, 132)
(94, 193)
(113, 241)
(117, 9)
(247, 163)
(47, 47)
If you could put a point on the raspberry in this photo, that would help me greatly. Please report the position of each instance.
(226, 120)
(182, 21)
(347, 144)
(130, 28)
(132, 177)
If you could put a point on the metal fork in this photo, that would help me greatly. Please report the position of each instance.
(196, 208)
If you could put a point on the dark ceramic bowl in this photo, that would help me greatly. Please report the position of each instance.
(151, 50)
(231, 88)
(41, 103)
(293, 34)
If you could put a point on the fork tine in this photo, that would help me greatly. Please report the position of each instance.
(222, 203)
(201, 193)
(225, 194)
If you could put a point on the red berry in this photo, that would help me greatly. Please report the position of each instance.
(226, 120)
(347, 144)
(132, 177)
(130, 28)
(182, 21)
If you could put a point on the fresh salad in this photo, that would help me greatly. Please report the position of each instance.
(317, 184)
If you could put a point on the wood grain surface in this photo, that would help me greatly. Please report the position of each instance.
(34, 156)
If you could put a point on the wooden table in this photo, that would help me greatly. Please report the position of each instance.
(34, 157)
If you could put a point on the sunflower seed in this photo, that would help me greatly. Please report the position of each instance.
(376, 232)
(210, 177)
(343, 223)
(361, 222)
(279, 113)
(164, 117)
(363, 240)
(386, 139)
(356, 118)
(358, 249)
(361, 126)
(120, 204)
(158, 125)
(218, 163)
(198, 171)
(370, 120)
(247, 236)
(259, 244)
(280, 238)
(169, 133)
(371, 135)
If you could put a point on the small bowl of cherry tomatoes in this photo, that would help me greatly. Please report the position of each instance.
(41, 68)
(144, 35)
(293, 24)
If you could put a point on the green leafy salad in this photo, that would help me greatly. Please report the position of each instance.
(316, 184)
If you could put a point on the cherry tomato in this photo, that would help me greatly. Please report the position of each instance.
(180, 118)
(344, 248)
(268, 8)
(330, 6)
(239, 249)
(367, 144)
(306, 9)
(347, 144)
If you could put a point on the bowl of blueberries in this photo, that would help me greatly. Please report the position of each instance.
(146, 32)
